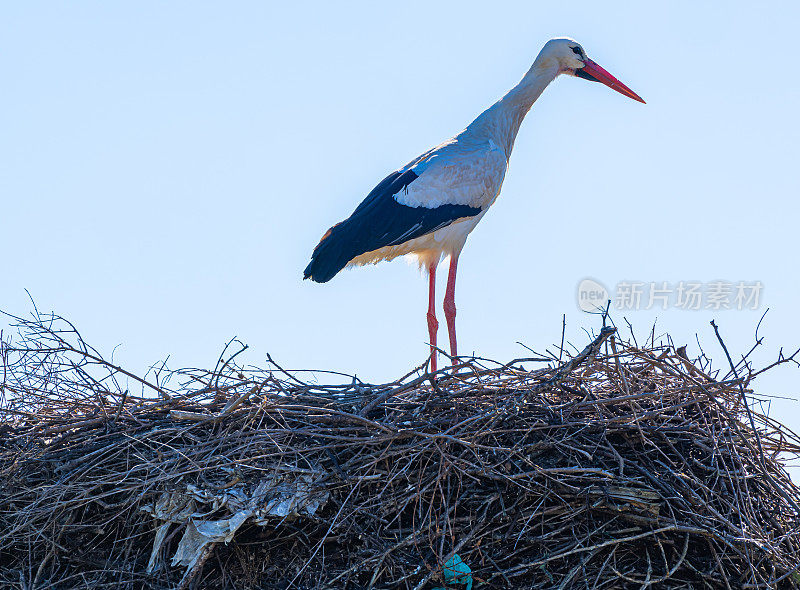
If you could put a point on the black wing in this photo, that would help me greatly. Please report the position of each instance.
(379, 221)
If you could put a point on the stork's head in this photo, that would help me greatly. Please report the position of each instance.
(569, 58)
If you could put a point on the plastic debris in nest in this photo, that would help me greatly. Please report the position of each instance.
(277, 497)
(456, 572)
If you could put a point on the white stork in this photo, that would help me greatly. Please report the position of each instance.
(429, 206)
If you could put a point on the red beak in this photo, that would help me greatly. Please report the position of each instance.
(591, 71)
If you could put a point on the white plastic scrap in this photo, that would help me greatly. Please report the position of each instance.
(291, 498)
(275, 497)
(200, 533)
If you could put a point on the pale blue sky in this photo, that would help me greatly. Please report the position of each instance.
(167, 168)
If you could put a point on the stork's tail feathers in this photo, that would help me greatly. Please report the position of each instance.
(330, 256)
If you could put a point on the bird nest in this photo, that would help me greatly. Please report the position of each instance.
(623, 465)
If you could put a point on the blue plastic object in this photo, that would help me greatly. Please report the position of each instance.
(457, 572)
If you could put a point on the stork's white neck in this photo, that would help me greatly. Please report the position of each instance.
(501, 121)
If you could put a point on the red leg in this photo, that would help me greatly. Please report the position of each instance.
(433, 324)
(450, 306)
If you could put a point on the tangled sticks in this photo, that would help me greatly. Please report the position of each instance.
(623, 466)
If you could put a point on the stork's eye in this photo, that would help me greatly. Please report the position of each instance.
(577, 51)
